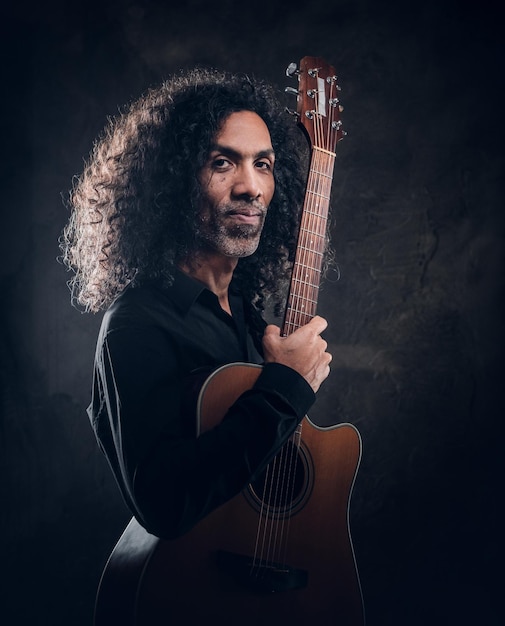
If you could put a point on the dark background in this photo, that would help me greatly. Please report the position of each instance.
(416, 319)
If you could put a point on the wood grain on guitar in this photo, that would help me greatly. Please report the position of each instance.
(280, 551)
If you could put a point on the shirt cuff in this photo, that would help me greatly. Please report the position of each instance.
(285, 382)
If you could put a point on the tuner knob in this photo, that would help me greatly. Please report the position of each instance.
(292, 91)
(292, 69)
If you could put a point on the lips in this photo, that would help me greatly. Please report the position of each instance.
(246, 214)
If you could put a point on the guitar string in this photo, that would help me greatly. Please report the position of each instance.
(309, 265)
(309, 222)
(267, 535)
(286, 491)
(285, 497)
(315, 225)
(307, 296)
(278, 503)
(260, 517)
(306, 291)
(259, 554)
(263, 519)
(286, 522)
(293, 320)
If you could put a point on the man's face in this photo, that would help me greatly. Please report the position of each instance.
(238, 184)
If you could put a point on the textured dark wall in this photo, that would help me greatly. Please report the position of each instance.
(416, 319)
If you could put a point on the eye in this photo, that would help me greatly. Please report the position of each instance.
(220, 163)
(264, 165)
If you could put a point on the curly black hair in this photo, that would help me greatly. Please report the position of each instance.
(134, 208)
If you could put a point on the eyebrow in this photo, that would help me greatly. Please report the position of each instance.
(227, 150)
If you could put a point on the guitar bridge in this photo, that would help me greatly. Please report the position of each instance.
(267, 577)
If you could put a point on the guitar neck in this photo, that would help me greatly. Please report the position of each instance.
(318, 115)
(306, 275)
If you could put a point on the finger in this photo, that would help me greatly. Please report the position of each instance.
(319, 324)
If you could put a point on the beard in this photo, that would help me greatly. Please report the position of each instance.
(232, 229)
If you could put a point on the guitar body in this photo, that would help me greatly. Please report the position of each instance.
(204, 576)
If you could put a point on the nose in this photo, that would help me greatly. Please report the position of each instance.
(246, 185)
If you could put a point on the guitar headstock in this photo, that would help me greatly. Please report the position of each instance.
(318, 105)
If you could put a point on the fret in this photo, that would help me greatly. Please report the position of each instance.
(304, 281)
(315, 230)
(314, 170)
(315, 225)
(321, 178)
(302, 308)
(304, 294)
(291, 327)
(294, 316)
(302, 290)
(313, 213)
(306, 249)
(311, 281)
(317, 193)
(328, 152)
(308, 293)
(322, 175)
(301, 298)
(306, 231)
(299, 302)
(308, 256)
(322, 168)
(305, 265)
(311, 241)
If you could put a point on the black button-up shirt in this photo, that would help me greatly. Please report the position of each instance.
(152, 344)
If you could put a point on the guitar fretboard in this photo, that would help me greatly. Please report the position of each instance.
(306, 275)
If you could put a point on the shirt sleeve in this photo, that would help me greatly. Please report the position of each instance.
(169, 477)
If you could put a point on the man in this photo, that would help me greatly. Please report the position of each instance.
(183, 226)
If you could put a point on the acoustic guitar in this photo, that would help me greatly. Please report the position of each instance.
(280, 552)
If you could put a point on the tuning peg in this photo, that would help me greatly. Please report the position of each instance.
(292, 70)
(292, 91)
(291, 112)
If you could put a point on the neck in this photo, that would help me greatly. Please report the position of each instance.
(215, 271)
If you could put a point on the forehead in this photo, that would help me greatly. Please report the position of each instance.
(246, 131)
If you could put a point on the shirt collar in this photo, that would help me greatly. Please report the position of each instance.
(185, 290)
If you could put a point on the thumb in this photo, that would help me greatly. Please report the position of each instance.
(272, 331)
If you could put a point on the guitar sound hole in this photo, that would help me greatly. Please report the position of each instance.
(285, 485)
